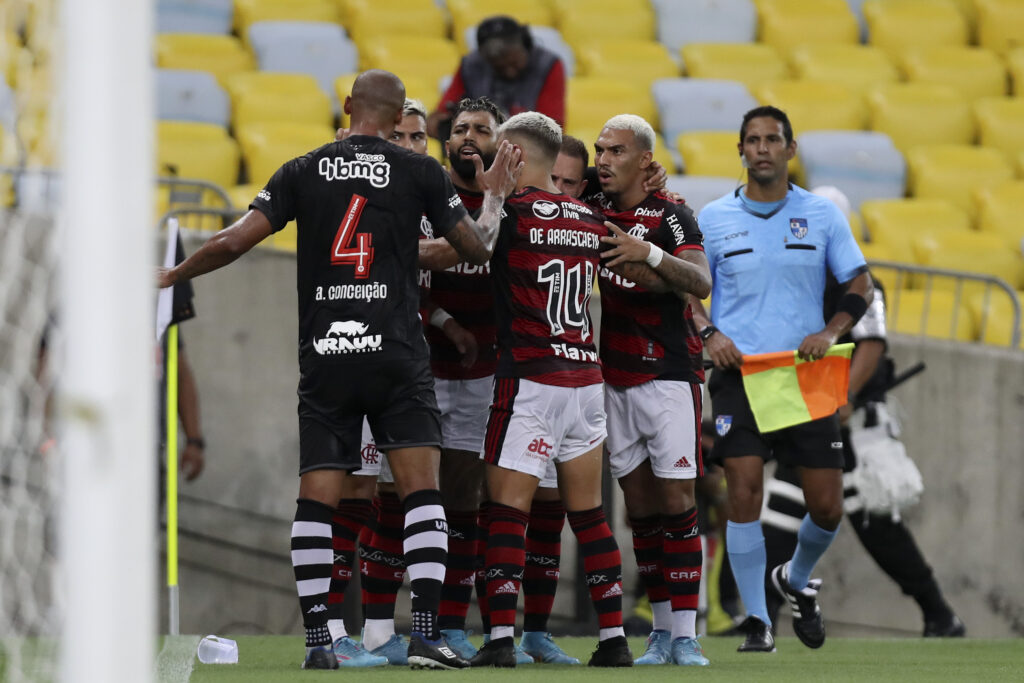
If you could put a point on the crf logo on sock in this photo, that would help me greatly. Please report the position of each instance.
(695, 574)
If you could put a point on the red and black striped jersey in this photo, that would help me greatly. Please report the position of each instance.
(647, 335)
(464, 291)
(543, 271)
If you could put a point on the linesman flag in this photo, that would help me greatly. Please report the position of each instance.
(784, 390)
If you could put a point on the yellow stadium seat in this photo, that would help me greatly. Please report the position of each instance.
(261, 97)
(711, 153)
(915, 114)
(1020, 165)
(1000, 210)
(634, 60)
(366, 19)
(858, 67)
(248, 12)
(785, 23)
(661, 153)
(892, 279)
(608, 21)
(927, 246)
(978, 253)
(748, 63)
(1015, 62)
(589, 102)
(242, 195)
(424, 90)
(895, 25)
(220, 55)
(1001, 124)
(1000, 24)
(466, 13)
(933, 313)
(266, 146)
(993, 317)
(952, 172)
(974, 72)
(426, 59)
(815, 105)
(895, 222)
(201, 151)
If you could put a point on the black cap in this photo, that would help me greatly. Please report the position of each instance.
(500, 26)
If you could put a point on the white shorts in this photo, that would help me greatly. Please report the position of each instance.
(465, 406)
(659, 420)
(375, 463)
(533, 426)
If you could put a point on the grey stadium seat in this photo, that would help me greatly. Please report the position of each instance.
(864, 165)
(696, 104)
(185, 95)
(699, 190)
(705, 21)
(194, 16)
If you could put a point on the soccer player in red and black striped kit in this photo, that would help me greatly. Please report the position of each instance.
(652, 361)
(548, 399)
(357, 204)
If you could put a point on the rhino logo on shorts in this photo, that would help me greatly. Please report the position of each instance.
(349, 328)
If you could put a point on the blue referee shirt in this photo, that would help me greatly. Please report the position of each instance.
(768, 265)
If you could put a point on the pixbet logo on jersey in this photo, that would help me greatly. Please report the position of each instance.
(347, 337)
(370, 167)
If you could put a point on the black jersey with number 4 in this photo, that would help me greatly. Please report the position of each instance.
(358, 205)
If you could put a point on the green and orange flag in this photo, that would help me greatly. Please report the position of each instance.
(784, 390)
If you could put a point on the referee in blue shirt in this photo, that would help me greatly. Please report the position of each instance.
(769, 245)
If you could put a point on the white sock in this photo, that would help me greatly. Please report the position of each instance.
(684, 624)
(376, 632)
(337, 629)
(502, 632)
(614, 632)
(662, 612)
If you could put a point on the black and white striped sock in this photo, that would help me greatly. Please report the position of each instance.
(312, 560)
(426, 552)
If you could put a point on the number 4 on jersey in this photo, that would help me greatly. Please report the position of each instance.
(342, 251)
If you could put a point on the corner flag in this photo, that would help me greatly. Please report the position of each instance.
(784, 390)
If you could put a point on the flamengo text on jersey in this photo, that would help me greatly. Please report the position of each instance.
(370, 167)
(572, 353)
(565, 238)
(367, 292)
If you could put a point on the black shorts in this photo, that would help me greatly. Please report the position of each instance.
(396, 397)
(812, 444)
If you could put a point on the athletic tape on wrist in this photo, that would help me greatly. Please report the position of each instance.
(654, 256)
(439, 317)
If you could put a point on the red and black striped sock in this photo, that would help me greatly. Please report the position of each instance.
(683, 560)
(648, 539)
(482, 521)
(382, 560)
(505, 557)
(543, 559)
(603, 565)
(460, 574)
(349, 517)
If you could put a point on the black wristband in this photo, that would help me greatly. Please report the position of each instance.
(854, 304)
(197, 441)
(706, 332)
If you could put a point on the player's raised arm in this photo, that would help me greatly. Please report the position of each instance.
(685, 274)
(220, 250)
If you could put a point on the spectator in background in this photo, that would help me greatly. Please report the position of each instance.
(509, 69)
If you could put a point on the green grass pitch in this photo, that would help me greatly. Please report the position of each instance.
(274, 659)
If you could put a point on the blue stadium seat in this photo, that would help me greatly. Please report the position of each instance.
(705, 21)
(699, 190)
(185, 95)
(8, 106)
(194, 16)
(864, 165)
(547, 37)
(316, 48)
(692, 104)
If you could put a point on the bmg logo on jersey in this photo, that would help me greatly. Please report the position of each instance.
(370, 167)
(348, 336)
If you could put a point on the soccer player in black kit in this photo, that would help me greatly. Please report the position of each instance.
(358, 204)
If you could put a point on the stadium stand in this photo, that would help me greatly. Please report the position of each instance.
(749, 63)
(186, 95)
(895, 25)
(864, 165)
(815, 105)
(607, 20)
(424, 59)
(547, 37)
(710, 153)
(592, 101)
(999, 210)
(913, 114)
(265, 146)
(1001, 124)
(974, 72)
(785, 23)
(952, 172)
(857, 67)
(249, 12)
(641, 61)
(194, 16)
(992, 316)
(893, 223)
(466, 13)
(691, 104)
(699, 190)
(931, 314)
(979, 253)
(1000, 24)
(366, 20)
(202, 151)
(705, 21)
(220, 55)
(297, 100)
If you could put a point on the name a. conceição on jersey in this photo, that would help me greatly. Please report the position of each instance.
(363, 292)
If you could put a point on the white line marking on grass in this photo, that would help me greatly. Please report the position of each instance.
(176, 659)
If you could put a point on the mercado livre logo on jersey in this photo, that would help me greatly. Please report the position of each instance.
(545, 210)
(348, 336)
